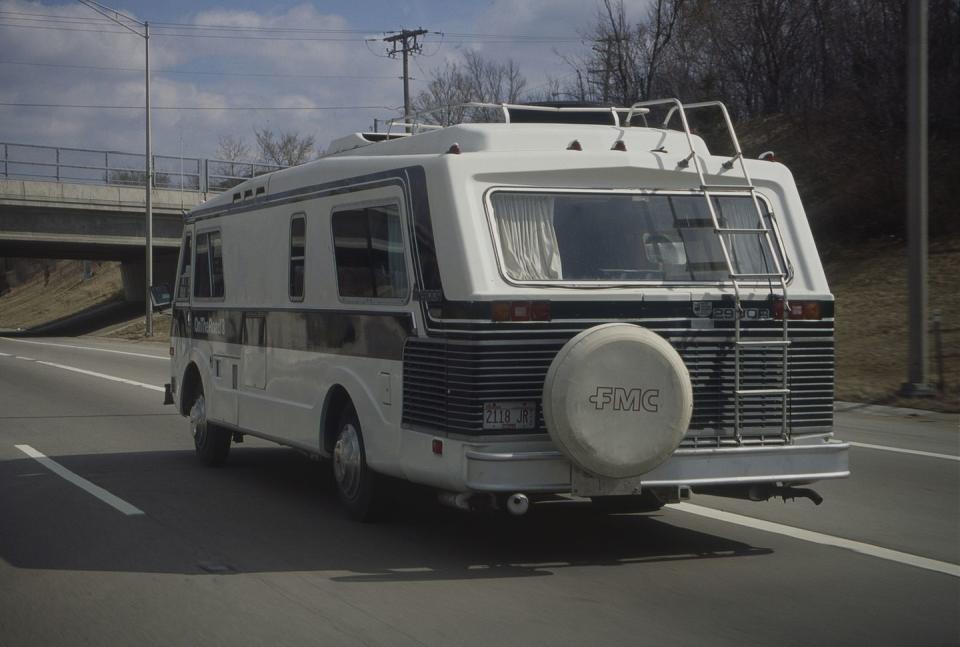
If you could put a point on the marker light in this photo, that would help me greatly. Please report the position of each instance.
(619, 145)
(798, 309)
(437, 447)
(454, 150)
(520, 311)
(575, 146)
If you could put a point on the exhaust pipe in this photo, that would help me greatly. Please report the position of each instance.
(518, 504)
(458, 500)
(763, 492)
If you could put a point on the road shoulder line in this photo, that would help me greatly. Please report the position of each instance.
(820, 538)
(94, 348)
(110, 499)
(900, 450)
(104, 376)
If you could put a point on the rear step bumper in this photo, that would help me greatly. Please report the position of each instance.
(551, 471)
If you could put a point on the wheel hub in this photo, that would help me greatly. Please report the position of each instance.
(346, 461)
(198, 419)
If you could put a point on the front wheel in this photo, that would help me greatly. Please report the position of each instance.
(211, 441)
(356, 483)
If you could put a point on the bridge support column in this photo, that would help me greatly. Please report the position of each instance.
(134, 278)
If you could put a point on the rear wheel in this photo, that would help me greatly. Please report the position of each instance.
(211, 441)
(356, 483)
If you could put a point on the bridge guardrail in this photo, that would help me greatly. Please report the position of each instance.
(90, 166)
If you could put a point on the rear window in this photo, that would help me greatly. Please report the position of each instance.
(573, 237)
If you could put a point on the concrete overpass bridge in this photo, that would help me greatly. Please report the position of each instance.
(89, 204)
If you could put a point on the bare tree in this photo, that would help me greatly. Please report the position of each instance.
(233, 149)
(476, 79)
(285, 149)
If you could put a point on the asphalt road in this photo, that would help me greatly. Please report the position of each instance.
(258, 552)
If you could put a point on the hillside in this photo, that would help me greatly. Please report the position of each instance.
(45, 291)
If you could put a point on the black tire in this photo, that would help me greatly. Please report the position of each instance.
(644, 502)
(356, 484)
(211, 441)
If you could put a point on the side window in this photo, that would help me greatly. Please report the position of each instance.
(186, 258)
(201, 278)
(216, 265)
(298, 248)
(368, 245)
(208, 278)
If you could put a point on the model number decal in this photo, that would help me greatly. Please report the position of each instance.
(729, 314)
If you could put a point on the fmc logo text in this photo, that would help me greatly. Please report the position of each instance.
(626, 399)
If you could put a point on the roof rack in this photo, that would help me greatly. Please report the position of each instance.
(513, 112)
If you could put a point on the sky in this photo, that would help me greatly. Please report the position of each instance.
(323, 77)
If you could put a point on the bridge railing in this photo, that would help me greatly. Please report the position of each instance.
(87, 166)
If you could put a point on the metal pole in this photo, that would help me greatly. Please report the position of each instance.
(917, 302)
(406, 87)
(149, 187)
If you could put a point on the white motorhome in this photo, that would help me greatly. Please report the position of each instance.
(517, 310)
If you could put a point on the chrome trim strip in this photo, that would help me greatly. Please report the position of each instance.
(515, 456)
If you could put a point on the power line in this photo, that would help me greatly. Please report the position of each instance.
(473, 36)
(199, 72)
(464, 39)
(110, 107)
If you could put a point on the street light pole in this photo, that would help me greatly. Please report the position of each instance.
(149, 198)
(123, 20)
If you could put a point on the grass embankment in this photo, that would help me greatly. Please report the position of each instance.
(869, 283)
(59, 292)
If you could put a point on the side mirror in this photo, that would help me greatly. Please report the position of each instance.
(160, 297)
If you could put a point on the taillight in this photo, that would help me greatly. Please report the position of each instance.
(798, 309)
(520, 311)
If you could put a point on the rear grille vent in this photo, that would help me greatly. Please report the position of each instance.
(446, 381)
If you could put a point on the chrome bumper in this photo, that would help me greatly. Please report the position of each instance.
(551, 471)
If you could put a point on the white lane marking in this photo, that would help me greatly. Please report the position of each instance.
(101, 350)
(82, 483)
(5, 355)
(899, 450)
(819, 538)
(104, 376)
(26, 359)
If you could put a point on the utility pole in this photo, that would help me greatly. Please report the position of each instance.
(405, 42)
(917, 302)
(143, 32)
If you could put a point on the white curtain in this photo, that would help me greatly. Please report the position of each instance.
(528, 239)
(749, 252)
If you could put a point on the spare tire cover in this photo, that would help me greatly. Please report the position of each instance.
(617, 400)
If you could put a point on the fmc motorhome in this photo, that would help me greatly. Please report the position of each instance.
(569, 301)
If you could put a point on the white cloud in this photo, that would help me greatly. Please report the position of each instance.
(199, 130)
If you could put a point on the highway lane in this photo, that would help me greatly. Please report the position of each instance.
(258, 551)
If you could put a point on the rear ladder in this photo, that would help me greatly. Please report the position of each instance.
(776, 280)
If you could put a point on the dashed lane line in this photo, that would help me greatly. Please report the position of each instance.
(110, 499)
(946, 568)
(104, 376)
(900, 450)
(26, 359)
(99, 350)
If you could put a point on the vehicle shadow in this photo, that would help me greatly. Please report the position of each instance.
(271, 509)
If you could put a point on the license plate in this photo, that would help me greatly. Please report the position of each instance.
(509, 415)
